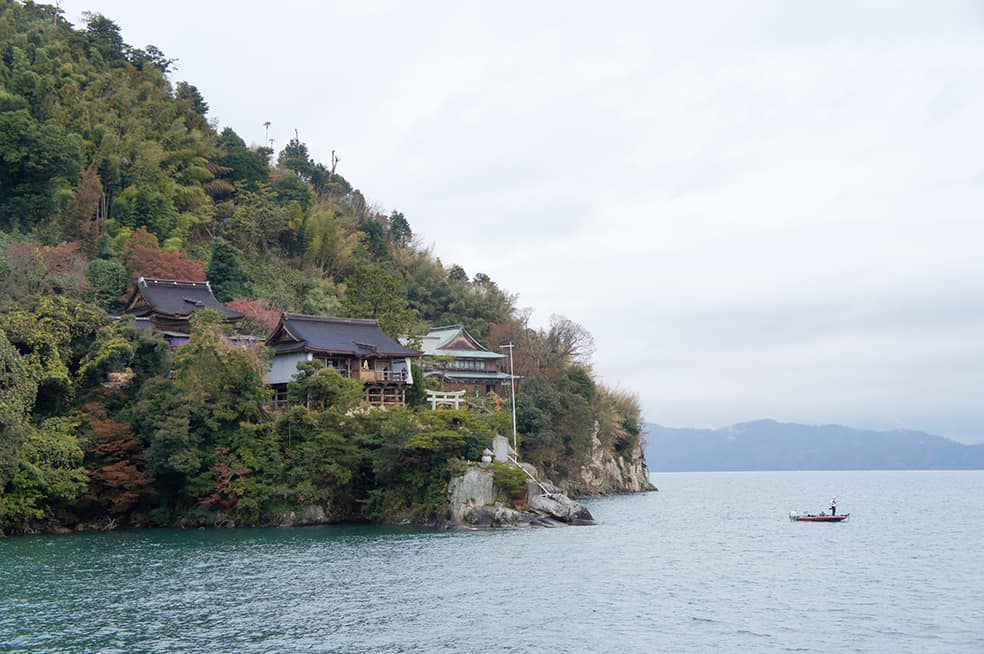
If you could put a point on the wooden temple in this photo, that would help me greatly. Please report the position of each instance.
(456, 359)
(356, 348)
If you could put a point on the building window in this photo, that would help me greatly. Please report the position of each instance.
(280, 396)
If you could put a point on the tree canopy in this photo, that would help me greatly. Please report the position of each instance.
(110, 169)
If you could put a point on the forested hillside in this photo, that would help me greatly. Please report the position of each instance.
(110, 170)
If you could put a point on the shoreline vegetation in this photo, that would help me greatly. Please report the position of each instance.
(110, 170)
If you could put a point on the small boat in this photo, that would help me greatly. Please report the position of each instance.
(823, 517)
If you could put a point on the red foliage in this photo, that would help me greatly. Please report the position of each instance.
(83, 217)
(63, 259)
(225, 468)
(144, 258)
(116, 465)
(258, 317)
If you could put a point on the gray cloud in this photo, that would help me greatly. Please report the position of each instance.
(766, 209)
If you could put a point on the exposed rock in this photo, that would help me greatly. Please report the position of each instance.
(469, 492)
(608, 472)
(472, 500)
(313, 514)
(496, 515)
(502, 449)
(562, 508)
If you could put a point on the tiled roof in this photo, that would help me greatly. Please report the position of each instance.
(178, 298)
(352, 336)
(435, 340)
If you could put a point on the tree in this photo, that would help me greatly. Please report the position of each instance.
(25, 271)
(104, 37)
(54, 334)
(295, 158)
(213, 400)
(144, 258)
(18, 391)
(378, 291)
(569, 342)
(258, 223)
(249, 166)
(290, 188)
(328, 244)
(39, 163)
(225, 378)
(152, 56)
(148, 206)
(83, 218)
(258, 318)
(108, 280)
(318, 387)
(66, 269)
(375, 237)
(115, 464)
(399, 230)
(224, 272)
(48, 475)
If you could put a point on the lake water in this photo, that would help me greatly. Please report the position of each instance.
(710, 563)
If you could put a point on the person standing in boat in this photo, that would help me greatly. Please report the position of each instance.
(833, 506)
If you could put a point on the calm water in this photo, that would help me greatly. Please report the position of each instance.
(710, 563)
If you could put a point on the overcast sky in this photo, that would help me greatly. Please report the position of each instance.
(759, 209)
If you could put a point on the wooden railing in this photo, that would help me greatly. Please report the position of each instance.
(390, 375)
(373, 375)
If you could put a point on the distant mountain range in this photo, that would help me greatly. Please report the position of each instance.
(771, 445)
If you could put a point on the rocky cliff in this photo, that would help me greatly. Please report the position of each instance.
(609, 472)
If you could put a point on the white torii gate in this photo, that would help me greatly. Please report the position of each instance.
(450, 398)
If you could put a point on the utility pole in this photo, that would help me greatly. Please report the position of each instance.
(512, 394)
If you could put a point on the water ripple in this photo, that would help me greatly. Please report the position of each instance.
(708, 564)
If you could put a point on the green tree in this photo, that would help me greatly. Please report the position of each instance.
(224, 272)
(104, 37)
(108, 279)
(39, 163)
(48, 475)
(18, 391)
(249, 166)
(329, 244)
(399, 230)
(319, 387)
(204, 415)
(378, 291)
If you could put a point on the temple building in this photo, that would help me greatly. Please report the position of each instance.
(356, 348)
(456, 359)
(166, 305)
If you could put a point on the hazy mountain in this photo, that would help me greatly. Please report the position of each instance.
(771, 445)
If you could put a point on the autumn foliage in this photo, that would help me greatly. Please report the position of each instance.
(116, 466)
(144, 258)
(258, 317)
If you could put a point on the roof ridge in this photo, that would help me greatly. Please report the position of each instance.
(175, 282)
(332, 319)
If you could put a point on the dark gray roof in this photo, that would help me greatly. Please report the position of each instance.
(176, 298)
(354, 336)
